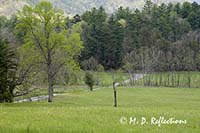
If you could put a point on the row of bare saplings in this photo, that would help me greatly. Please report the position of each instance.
(164, 67)
(169, 79)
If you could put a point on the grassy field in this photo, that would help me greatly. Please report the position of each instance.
(104, 78)
(83, 111)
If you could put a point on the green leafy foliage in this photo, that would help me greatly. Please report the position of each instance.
(56, 47)
(89, 80)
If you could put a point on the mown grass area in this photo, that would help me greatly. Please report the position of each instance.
(171, 79)
(58, 89)
(83, 111)
(102, 79)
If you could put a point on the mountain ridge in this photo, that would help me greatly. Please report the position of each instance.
(72, 7)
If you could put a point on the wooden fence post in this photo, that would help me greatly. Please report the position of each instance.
(115, 95)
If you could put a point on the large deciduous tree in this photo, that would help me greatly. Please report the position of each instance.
(46, 34)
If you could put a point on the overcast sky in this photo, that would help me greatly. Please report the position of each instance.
(198, 1)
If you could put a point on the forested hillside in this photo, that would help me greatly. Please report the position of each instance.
(9, 7)
(71, 7)
(158, 38)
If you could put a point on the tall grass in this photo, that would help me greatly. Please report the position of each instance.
(84, 112)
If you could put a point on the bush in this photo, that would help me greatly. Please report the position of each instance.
(100, 68)
(70, 78)
(6, 97)
(89, 80)
(73, 79)
(90, 64)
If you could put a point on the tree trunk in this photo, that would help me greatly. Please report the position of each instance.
(173, 79)
(91, 88)
(115, 95)
(189, 79)
(50, 90)
(178, 80)
(50, 77)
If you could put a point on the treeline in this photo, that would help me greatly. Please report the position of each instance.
(157, 38)
(170, 79)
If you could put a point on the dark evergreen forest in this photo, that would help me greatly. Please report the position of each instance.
(158, 38)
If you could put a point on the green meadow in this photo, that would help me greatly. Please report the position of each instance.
(105, 70)
(103, 78)
(84, 111)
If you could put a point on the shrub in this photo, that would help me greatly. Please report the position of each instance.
(89, 80)
(6, 96)
(90, 64)
(100, 68)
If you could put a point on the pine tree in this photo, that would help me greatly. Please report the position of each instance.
(7, 65)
